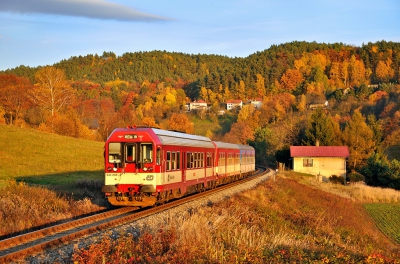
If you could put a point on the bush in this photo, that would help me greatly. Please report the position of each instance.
(355, 177)
(336, 179)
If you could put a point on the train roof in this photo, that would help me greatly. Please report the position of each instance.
(225, 145)
(182, 139)
(245, 147)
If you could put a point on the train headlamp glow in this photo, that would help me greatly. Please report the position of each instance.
(114, 169)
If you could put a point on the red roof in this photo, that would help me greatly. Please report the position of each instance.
(232, 101)
(319, 151)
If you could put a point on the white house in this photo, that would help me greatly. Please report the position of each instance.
(323, 161)
(231, 104)
(198, 105)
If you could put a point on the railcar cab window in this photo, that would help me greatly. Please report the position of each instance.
(114, 152)
(130, 152)
(146, 152)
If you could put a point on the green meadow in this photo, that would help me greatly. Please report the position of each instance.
(51, 160)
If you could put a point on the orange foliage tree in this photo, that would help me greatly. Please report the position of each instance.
(240, 133)
(180, 122)
(291, 79)
(13, 96)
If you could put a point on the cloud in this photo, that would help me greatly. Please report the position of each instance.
(97, 9)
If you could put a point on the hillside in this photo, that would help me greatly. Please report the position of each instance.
(49, 159)
(356, 88)
(281, 221)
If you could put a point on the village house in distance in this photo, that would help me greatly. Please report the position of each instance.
(321, 161)
(228, 105)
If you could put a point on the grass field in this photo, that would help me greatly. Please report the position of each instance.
(48, 159)
(387, 218)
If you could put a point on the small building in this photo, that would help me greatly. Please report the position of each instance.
(198, 105)
(231, 104)
(322, 161)
(257, 103)
(320, 104)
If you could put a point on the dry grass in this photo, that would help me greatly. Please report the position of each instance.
(357, 192)
(23, 207)
(280, 221)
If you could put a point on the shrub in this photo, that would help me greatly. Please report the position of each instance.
(336, 179)
(355, 177)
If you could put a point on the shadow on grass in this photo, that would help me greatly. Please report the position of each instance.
(75, 185)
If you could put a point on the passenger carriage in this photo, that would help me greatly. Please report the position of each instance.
(145, 166)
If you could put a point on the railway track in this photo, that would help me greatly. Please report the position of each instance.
(24, 245)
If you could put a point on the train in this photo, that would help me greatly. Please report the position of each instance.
(147, 166)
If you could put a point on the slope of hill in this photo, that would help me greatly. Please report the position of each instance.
(281, 221)
(49, 159)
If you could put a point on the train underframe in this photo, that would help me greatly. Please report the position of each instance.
(137, 198)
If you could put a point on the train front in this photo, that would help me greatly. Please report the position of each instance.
(132, 167)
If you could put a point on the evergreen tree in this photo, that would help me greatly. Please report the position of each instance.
(321, 128)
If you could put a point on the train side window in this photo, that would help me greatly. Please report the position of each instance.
(173, 161)
(178, 160)
(202, 159)
(209, 159)
(168, 161)
(188, 159)
(192, 164)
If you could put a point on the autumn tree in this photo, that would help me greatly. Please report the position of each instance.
(150, 122)
(291, 79)
(260, 85)
(180, 122)
(360, 140)
(301, 103)
(240, 133)
(52, 91)
(383, 71)
(13, 96)
(357, 72)
(249, 114)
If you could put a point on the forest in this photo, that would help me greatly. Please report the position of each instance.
(357, 88)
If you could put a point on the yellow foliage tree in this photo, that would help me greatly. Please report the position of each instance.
(51, 91)
(383, 71)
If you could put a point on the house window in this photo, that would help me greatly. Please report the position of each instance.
(307, 162)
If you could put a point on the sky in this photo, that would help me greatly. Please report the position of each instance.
(43, 32)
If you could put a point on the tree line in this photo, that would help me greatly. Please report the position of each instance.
(88, 96)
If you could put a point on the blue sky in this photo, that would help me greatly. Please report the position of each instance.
(43, 32)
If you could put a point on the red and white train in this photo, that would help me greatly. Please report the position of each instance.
(148, 166)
